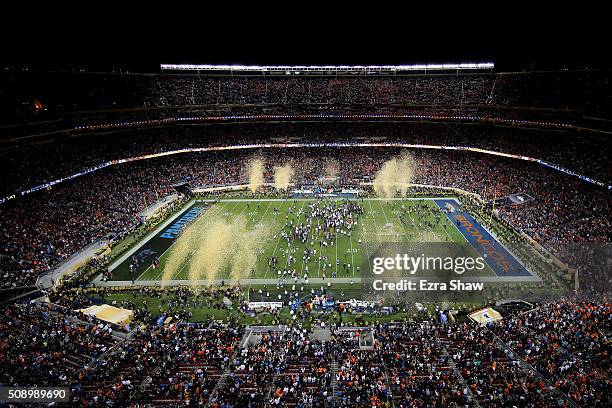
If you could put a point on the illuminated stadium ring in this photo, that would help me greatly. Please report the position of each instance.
(333, 68)
(306, 145)
(113, 125)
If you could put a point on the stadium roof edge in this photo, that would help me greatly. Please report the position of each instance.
(327, 68)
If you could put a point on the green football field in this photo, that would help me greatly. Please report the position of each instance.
(340, 257)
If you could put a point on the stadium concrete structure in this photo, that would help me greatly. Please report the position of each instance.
(206, 235)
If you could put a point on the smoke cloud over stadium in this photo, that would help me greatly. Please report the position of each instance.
(283, 176)
(209, 246)
(395, 176)
(255, 173)
(183, 248)
(213, 251)
(245, 250)
(332, 167)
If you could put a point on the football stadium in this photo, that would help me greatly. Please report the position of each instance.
(248, 235)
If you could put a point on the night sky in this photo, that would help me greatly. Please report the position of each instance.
(522, 41)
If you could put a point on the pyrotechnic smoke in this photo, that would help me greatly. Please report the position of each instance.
(282, 177)
(213, 251)
(182, 249)
(214, 244)
(246, 249)
(255, 171)
(177, 256)
(331, 169)
(395, 176)
(228, 244)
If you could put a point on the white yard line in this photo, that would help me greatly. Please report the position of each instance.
(416, 228)
(320, 256)
(381, 207)
(307, 238)
(336, 244)
(398, 218)
(279, 236)
(352, 255)
(365, 232)
(265, 212)
(372, 211)
(188, 261)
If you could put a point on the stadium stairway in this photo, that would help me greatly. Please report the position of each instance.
(442, 343)
(271, 389)
(222, 379)
(334, 380)
(307, 366)
(505, 346)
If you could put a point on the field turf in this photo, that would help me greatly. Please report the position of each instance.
(342, 257)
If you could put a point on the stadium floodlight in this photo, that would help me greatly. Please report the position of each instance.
(311, 68)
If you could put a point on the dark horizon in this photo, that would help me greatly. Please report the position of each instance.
(520, 51)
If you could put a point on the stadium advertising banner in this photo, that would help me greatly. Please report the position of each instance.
(259, 306)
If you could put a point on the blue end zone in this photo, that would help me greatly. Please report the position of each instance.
(502, 262)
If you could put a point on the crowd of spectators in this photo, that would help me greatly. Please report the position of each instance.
(569, 343)
(172, 364)
(25, 91)
(38, 342)
(34, 164)
(306, 378)
(541, 358)
(494, 376)
(253, 370)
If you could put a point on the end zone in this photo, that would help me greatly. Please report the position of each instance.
(497, 256)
